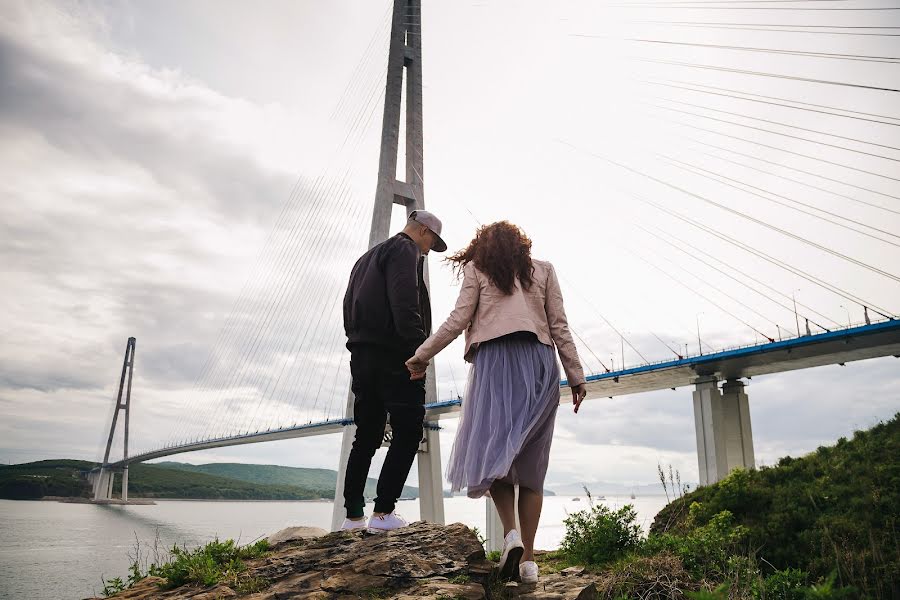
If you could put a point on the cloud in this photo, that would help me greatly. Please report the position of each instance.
(128, 192)
(140, 199)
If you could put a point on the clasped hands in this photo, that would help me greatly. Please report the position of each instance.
(416, 368)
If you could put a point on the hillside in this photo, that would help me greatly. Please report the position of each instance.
(154, 481)
(834, 510)
(64, 478)
(323, 479)
(178, 480)
(44, 478)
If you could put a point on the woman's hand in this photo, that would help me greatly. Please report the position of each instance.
(578, 394)
(416, 368)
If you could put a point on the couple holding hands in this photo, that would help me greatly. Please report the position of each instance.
(511, 309)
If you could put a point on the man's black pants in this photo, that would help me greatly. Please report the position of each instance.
(381, 386)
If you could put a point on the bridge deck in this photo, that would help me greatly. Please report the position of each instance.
(827, 348)
(833, 347)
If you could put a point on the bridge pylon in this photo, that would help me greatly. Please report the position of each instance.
(104, 479)
(404, 66)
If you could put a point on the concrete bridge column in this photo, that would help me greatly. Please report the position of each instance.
(102, 481)
(125, 484)
(722, 424)
(431, 490)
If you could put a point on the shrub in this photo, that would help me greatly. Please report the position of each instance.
(707, 550)
(789, 584)
(600, 535)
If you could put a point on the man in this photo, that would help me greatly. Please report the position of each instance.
(387, 314)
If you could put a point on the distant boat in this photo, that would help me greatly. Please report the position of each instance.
(576, 499)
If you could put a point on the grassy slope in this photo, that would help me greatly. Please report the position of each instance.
(836, 508)
(278, 475)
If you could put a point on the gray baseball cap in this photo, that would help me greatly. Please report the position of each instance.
(433, 223)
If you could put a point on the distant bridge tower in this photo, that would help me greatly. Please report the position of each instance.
(404, 58)
(104, 478)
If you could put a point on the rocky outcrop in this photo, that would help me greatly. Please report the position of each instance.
(423, 560)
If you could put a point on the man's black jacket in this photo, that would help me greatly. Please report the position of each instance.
(386, 303)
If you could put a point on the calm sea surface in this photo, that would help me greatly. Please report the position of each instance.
(59, 551)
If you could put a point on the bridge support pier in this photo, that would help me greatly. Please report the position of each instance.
(431, 490)
(722, 423)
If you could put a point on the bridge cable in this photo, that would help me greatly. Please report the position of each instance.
(786, 151)
(815, 107)
(796, 270)
(763, 223)
(811, 173)
(828, 55)
(787, 135)
(782, 124)
(732, 277)
(764, 74)
(713, 176)
(659, 233)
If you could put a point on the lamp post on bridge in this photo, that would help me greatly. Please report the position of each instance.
(848, 315)
(699, 343)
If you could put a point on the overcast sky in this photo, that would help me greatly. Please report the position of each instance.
(200, 175)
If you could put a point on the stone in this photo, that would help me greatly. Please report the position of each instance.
(216, 593)
(290, 534)
(442, 588)
(423, 560)
(556, 587)
(571, 571)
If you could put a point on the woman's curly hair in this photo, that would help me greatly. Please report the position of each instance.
(501, 251)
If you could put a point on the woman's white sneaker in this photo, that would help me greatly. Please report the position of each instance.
(513, 549)
(388, 522)
(528, 572)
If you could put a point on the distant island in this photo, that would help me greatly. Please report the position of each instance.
(173, 480)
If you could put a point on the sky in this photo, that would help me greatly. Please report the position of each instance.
(200, 175)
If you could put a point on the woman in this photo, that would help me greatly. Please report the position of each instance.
(511, 308)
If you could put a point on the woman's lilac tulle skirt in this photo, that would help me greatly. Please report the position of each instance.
(507, 416)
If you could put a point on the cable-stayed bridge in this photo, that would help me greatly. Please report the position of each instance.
(278, 369)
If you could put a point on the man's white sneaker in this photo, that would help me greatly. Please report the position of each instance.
(351, 524)
(387, 522)
(528, 572)
(513, 549)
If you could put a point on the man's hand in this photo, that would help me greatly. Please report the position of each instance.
(578, 394)
(416, 368)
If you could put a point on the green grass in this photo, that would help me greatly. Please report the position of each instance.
(211, 564)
